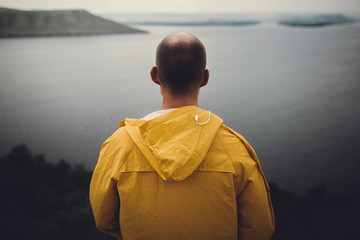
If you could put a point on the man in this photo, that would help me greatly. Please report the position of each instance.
(179, 173)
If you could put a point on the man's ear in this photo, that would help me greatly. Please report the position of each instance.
(154, 75)
(205, 78)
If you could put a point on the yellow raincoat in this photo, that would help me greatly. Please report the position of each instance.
(171, 178)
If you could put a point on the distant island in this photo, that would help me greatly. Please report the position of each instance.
(201, 23)
(18, 23)
(316, 20)
(306, 20)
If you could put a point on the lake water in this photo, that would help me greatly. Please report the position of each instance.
(292, 92)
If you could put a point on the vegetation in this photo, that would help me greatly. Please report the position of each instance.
(41, 200)
(16, 23)
(318, 215)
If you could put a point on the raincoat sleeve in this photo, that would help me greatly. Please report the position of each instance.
(256, 219)
(254, 208)
(104, 197)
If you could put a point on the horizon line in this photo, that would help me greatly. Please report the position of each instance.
(185, 13)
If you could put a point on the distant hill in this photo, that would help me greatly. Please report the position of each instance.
(17, 23)
(319, 20)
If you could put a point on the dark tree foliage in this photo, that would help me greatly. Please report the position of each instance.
(41, 200)
(318, 215)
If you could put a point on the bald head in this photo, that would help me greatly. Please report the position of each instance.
(181, 61)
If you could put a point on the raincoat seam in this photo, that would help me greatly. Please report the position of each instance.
(124, 158)
(248, 180)
(227, 153)
(138, 171)
(236, 170)
(209, 170)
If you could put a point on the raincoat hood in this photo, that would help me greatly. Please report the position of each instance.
(175, 143)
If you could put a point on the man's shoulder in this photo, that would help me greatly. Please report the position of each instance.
(119, 134)
(237, 148)
(119, 138)
(231, 135)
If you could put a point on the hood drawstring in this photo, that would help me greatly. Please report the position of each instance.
(200, 124)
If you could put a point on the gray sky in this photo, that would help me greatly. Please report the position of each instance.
(104, 6)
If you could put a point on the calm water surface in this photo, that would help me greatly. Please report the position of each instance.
(292, 92)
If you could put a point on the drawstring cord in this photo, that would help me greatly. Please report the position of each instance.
(200, 124)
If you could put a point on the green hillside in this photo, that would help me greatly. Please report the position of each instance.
(16, 23)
